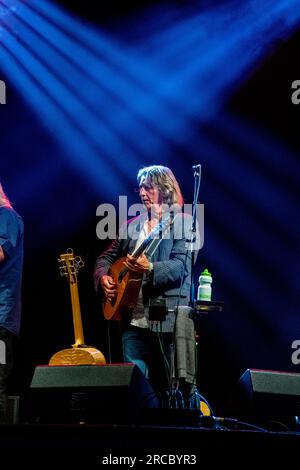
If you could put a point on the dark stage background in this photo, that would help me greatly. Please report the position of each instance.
(172, 83)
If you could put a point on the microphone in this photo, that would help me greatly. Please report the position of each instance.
(196, 169)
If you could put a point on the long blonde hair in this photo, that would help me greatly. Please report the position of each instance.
(163, 178)
(4, 201)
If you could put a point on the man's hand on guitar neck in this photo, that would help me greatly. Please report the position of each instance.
(139, 265)
(109, 287)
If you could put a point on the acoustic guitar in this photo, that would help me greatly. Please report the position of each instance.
(128, 283)
(79, 354)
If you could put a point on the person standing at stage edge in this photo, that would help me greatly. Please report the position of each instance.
(142, 340)
(11, 266)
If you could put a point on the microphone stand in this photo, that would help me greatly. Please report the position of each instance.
(174, 397)
(194, 396)
(197, 181)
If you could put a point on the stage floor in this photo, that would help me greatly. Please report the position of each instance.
(134, 445)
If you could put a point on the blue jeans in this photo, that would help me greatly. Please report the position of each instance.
(144, 348)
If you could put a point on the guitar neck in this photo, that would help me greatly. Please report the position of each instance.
(78, 330)
(142, 247)
(157, 232)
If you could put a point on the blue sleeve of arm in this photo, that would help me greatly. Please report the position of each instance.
(9, 232)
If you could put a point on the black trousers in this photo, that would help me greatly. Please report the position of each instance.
(7, 347)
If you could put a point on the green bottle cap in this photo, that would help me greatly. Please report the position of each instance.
(205, 272)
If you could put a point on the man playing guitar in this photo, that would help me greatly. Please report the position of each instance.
(164, 273)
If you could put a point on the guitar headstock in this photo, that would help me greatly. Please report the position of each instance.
(160, 229)
(70, 264)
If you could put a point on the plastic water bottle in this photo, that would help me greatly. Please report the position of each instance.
(204, 289)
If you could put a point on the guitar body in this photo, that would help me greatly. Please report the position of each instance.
(77, 356)
(128, 287)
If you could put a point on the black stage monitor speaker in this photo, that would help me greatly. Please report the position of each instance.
(267, 396)
(116, 393)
